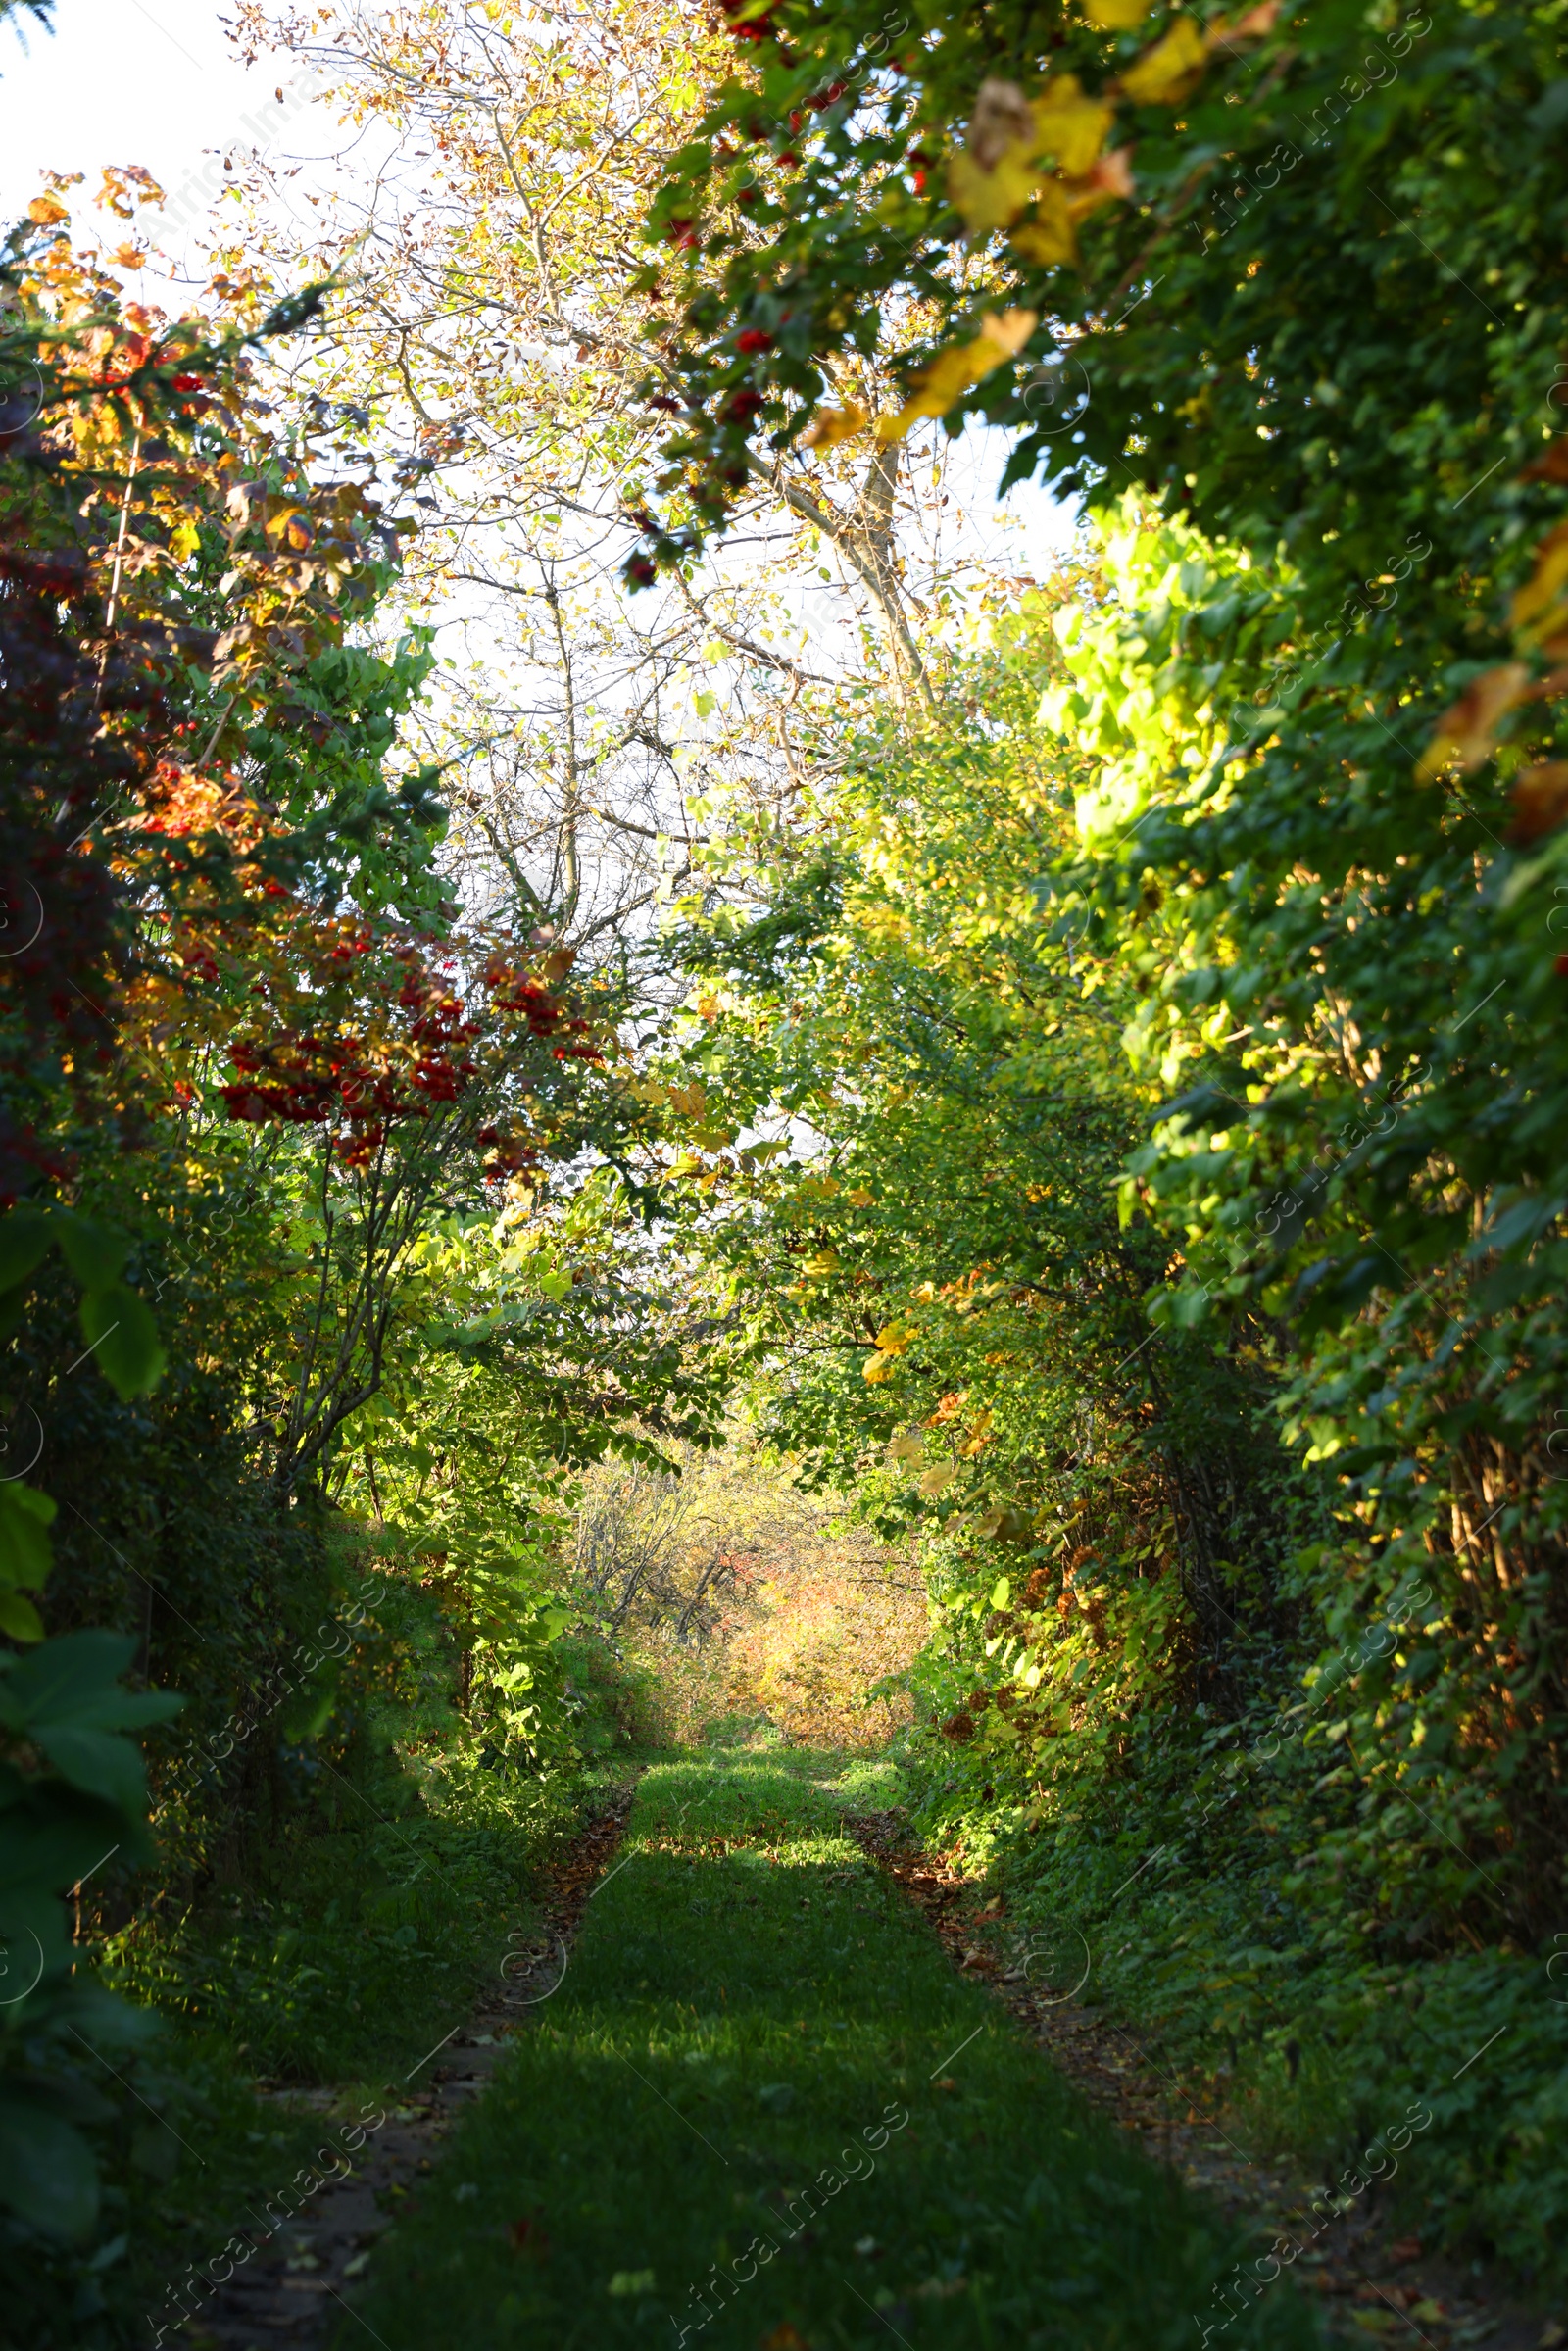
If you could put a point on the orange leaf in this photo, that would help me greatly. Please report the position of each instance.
(45, 211)
(1539, 601)
(1250, 26)
(1540, 801)
(1469, 732)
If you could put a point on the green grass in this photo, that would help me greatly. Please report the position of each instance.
(351, 1950)
(760, 2091)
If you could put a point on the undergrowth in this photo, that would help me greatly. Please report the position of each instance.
(1225, 1906)
(334, 1965)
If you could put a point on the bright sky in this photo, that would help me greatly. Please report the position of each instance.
(153, 82)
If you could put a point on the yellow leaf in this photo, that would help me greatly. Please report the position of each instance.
(1116, 15)
(950, 373)
(909, 1445)
(45, 211)
(835, 424)
(1467, 732)
(1047, 239)
(1003, 334)
(935, 1481)
(990, 199)
(894, 1338)
(859, 1197)
(1166, 72)
(690, 1100)
(878, 1368)
(1069, 126)
(979, 1436)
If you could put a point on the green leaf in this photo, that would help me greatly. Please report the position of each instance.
(34, 1941)
(122, 1339)
(26, 1515)
(47, 2172)
(49, 1842)
(25, 1234)
(100, 1763)
(19, 1618)
(95, 1252)
(75, 1681)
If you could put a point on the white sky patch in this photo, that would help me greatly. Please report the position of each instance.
(155, 82)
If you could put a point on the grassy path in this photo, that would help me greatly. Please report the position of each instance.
(761, 2111)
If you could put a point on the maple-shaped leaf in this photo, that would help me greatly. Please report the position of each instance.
(1165, 73)
(45, 211)
(1069, 127)
(832, 425)
(1050, 238)
(990, 199)
(1003, 334)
